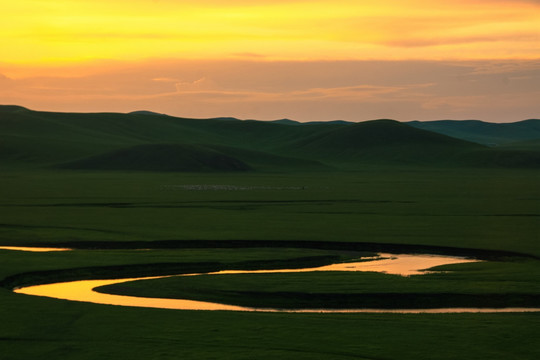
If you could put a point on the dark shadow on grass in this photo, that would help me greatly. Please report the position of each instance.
(18, 226)
(301, 300)
(481, 254)
(194, 204)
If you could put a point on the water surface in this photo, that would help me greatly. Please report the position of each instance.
(405, 265)
(33, 249)
(402, 264)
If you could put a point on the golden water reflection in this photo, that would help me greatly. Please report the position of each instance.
(390, 264)
(33, 249)
(402, 264)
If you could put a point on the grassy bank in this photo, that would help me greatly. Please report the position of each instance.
(34, 327)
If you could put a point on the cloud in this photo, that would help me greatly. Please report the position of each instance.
(5, 82)
(453, 103)
(358, 93)
(502, 67)
(307, 90)
(504, 104)
(425, 41)
(166, 79)
(248, 55)
(509, 2)
(199, 84)
(71, 31)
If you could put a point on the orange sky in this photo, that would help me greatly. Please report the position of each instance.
(222, 58)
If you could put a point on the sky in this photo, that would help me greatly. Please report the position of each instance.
(270, 59)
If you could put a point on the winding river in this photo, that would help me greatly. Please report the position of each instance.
(399, 264)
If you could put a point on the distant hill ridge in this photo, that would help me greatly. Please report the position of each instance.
(150, 141)
(387, 140)
(145, 112)
(492, 134)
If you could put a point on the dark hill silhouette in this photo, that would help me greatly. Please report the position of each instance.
(146, 112)
(161, 157)
(481, 132)
(287, 122)
(12, 109)
(42, 139)
(260, 160)
(384, 141)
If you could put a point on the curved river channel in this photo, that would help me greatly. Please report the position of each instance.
(403, 264)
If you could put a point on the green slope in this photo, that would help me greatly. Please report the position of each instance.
(481, 132)
(383, 141)
(523, 145)
(266, 161)
(506, 158)
(43, 139)
(161, 157)
(189, 157)
(46, 138)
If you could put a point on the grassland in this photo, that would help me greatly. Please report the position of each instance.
(150, 142)
(476, 209)
(313, 193)
(486, 209)
(33, 327)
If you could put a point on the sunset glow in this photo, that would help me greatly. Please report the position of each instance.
(82, 30)
(74, 39)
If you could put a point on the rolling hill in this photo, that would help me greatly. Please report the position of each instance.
(160, 157)
(384, 141)
(148, 141)
(481, 132)
(189, 158)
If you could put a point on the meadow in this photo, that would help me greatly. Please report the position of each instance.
(146, 194)
(109, 215)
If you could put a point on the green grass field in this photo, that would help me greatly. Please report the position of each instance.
(490, 209)
(266, 195)
(486, 209)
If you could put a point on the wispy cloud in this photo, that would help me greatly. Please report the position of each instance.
(248, 55)
(427, 40)
(324, 90)
(73, 31)
(5, 82)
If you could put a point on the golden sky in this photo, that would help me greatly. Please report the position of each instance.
(92, 41)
